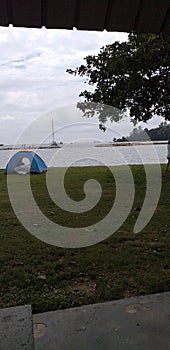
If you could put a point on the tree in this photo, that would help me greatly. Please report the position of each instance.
(132, 76)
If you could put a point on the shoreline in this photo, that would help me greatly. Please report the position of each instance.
(114, 144)
(10, 148)
(135, 143)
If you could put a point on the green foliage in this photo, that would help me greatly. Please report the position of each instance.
(131, 76)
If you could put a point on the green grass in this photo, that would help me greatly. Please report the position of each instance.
(124, 265)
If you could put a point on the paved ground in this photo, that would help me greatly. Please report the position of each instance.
(140, 323)
(16, 328)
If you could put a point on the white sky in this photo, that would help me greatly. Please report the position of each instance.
(33, 82)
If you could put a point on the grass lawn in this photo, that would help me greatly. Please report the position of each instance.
(124, 265)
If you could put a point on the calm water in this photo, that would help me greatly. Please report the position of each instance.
(88, 154)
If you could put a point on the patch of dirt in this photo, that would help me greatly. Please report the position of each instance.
(86, 286)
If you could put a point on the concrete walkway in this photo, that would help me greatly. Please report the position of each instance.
(16, 328)
(140, 323)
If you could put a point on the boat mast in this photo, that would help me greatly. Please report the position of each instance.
(53, 130)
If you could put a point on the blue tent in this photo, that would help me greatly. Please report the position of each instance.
(25, 162)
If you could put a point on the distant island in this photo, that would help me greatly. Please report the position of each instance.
(161, 133)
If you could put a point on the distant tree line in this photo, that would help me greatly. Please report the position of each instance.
(161, 133)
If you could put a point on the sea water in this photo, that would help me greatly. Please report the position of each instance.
(91, 155)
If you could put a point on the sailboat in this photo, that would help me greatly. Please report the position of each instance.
(54, 143)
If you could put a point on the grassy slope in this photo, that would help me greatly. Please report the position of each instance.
(51, 278)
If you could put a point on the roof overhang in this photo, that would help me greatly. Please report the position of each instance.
(144, 16)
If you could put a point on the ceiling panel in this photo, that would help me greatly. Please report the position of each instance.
(3, 13)
(122, 15)
(152, 15)
(91, 14)
(60, 13)
(25, 13)
(166, 23)
(142, 16)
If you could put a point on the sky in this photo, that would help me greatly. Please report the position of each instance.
(35, 87)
